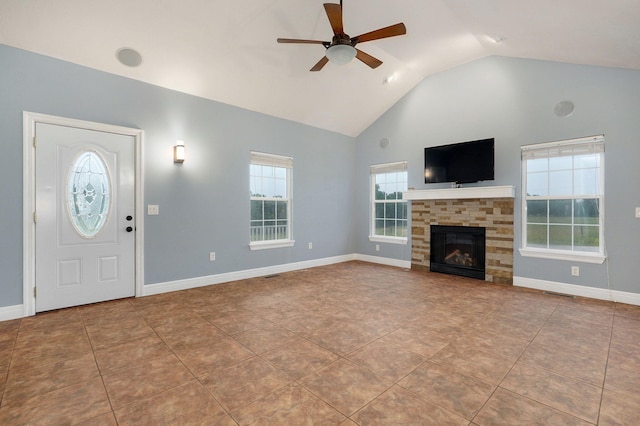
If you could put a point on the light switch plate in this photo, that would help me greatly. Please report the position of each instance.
(153, 209)
(638, 212)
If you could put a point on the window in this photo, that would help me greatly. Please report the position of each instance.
(270, 192)
(88, 194)
(563, 196)
(388, 209)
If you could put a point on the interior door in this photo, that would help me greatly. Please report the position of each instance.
(85, 230)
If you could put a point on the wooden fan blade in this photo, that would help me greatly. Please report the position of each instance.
(334, 13)
(321, 63)
(368, 59)
(295, 40)
(390, 31)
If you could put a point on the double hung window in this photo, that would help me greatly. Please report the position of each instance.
(270, 198)
(388, 209)
(563, 199)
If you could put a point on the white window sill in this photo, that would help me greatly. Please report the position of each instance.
(262, 245)
(390, 240)
(563, 255)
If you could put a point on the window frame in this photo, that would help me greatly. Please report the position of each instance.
(376, 169)
(572, 148)
(273, 160)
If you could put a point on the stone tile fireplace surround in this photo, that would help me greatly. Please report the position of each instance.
(489, 207)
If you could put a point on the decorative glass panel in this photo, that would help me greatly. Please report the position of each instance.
(88, 194)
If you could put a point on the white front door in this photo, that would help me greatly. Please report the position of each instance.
(85, 219)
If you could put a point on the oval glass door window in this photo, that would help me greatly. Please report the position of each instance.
(88, 194)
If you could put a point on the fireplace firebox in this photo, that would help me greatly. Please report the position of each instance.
(458, 250)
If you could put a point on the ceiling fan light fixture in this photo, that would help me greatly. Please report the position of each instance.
(341, 54)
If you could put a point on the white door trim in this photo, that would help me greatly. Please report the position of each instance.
(29, 120)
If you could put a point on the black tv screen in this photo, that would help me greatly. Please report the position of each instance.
(463, 162)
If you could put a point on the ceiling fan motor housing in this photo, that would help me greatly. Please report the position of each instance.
(342, 39)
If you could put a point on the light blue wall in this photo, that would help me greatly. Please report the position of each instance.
(204, 203)
(512, 100)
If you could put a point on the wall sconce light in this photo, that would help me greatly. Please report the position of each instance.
(178, 152)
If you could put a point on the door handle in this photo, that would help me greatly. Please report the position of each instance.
(129, 228)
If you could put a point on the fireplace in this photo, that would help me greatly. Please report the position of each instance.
(491, 207)
(458, 250)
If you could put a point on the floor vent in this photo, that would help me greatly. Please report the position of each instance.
(553, 293)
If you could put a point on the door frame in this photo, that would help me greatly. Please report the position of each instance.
(29, 120)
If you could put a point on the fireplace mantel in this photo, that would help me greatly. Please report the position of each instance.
(461, 193)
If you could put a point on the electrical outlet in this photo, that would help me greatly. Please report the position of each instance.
(153, 209)
(575, 271)
(310, 246)
(377, 247)
(212, 256)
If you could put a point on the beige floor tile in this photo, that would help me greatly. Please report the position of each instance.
(619, 409)
(107, 419)
(132, 354)
(348, 332)
(235, 323)
(389, 361)
(623, 380)
(52, 348)
(300, 358)
(571, 396)
(345, 386)
(292, 405)
(342, 337)
(190, 403)
(265, 338)
(398, 406)
(576, 363)
(627, 311)
(208, 359)
(158, 375)
(43, 378)
(467, 359)
(503, 346)
(67, 405)
(444, 387)
(106, 313)
(238, 386)
(507, 408)
(416, 340)
(131, 327)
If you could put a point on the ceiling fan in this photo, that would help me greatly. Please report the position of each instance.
(342, 48)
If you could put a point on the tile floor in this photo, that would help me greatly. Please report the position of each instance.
(351, 343)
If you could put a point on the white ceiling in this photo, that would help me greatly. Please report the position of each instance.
(227, 50)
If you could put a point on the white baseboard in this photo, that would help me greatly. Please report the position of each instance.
(578, 290)
(165, 287)
(11, 312)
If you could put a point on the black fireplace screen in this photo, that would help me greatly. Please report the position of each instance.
(458, 250)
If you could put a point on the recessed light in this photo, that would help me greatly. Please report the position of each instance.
(563, 108)
(129, 57)
(497, 38)
(388, 79)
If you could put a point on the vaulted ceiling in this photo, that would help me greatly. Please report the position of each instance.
(227, 51)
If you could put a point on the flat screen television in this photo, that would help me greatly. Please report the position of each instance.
(463, 162)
